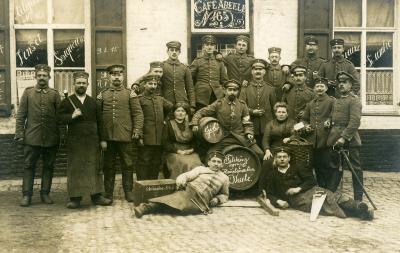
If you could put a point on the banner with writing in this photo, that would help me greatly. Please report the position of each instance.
(220, 16)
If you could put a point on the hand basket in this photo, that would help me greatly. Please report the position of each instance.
(301, 151)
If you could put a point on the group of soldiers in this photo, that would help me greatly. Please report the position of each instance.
(239, 90)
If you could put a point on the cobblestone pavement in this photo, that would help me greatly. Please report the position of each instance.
(53, 228)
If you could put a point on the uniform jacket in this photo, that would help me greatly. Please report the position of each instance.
(275, 131)
(316, 113)
(259, 96)
(312, 64)
(296, 99)
(238, 66)
(120, 114)
(37, 117)
(153, 107)
(277, 78)
(177, 83)
(233, 116)
(332, 67)
(346, 117)
(208, 75)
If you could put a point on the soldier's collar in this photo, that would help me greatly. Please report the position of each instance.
(322, 97)
(257, 83)
(338, 59)
(301, 87)
(112, 88)
(175, 62)
(231, 102)
(39, 89)
(311, 56)
(206, 56)
(277, 67)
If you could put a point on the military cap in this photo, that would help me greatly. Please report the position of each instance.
(320, 80)
(232, 82)
(80, 74)
(116, 68)
(42, 67)
(208, 39)
(151, 77)
(156, 64)
(311, 40)
(274, 50)
(243, 38)
(298, 68)
(259, 63)
(336, 42)
(281, 149)
(215, 153)
(174, 44)
(343, 76)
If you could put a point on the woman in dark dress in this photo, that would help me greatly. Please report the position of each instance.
(178, 143)
(277, 132)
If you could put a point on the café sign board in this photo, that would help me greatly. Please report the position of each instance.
(220, 16)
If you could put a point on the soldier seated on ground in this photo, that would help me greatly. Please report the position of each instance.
(294, 186)
(203, 187)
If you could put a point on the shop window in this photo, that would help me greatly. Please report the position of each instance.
(369, 31)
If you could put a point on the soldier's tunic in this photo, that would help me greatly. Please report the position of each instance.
(119, 117)
(259, 96)
(177, 83)
(238, 66)
(296, 99)
(312, 63)
(83, 174)
(234, 118)
(317, 112)
(346, 119)
(153, 107)
(331, 68)
(208, 75)
(36, 123)
(276, 78)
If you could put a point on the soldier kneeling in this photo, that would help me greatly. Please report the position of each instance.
(204, 187)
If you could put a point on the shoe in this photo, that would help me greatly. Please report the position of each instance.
(129, 196)
(365, 213)
(267, 206)
(25, 201)
(102, 201)
(46, 199)
(143, 209)
(73, 204)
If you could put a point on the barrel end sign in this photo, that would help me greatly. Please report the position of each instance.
(242, 167)
(220, 16)
(211, 130)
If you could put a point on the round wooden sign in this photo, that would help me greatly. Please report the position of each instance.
(210, 130)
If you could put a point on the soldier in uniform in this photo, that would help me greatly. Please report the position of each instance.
(299, 95)
(238, 64)
(150, 150)
(177, 83)
(37, 128)
(120, 122)
(208, 74)
(260, 98)
(317, 120)
(78, 111)
(276, 75)
(310, 60)
(346, 117)
(156, 68)
(234, 117)
(338, 63)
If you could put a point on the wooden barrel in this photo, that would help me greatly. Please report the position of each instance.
(242, 166)
(210, 130)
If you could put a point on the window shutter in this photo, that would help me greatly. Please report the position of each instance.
(5, 83)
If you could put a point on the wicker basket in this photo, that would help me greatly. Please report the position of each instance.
(301, 151)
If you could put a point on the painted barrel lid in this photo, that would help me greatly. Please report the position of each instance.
(210, 130)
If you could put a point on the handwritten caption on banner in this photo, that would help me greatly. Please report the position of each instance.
(69, 51)
(372, 58)
(213, 15)
(241, 169)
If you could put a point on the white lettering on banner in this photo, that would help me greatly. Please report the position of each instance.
(352, 50)
(379, 53)
(67, 52)
(24, 54)
(25, 10)
(105, 50)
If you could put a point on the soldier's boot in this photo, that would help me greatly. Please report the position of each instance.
(267, 206)
(47, 178)
(357, 188)
(25, 201)
(109, 181)
(74, 203)
(357, 209)
(145, 208)
(127, 185)
(98, 199)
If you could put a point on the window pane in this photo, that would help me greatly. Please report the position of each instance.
(352, 46)
(379, 50)
(69, 48)
(30, 11)
(25, 78)
(108, 48)
(108, 13)
(68, 12)
(380, 13)
(348, 13)
(64, 81)
(31, 47)
(379, 87)
(2, 49)
(102, 81)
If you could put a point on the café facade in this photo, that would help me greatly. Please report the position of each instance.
(92, 34)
